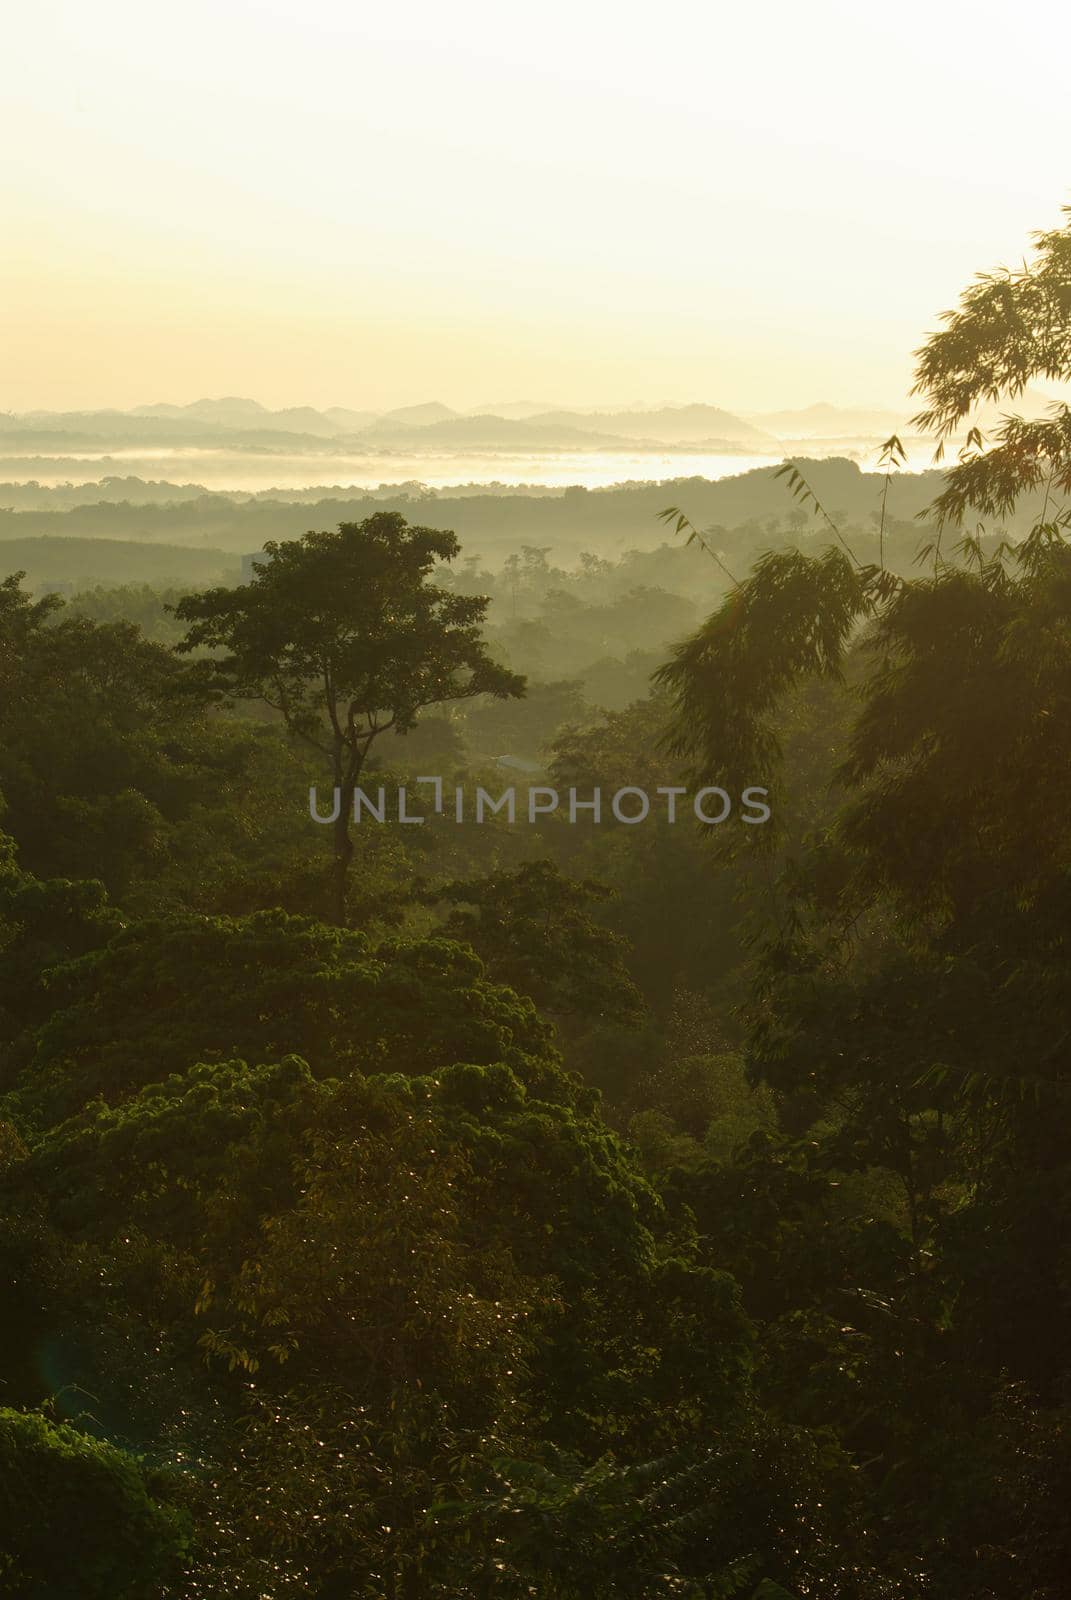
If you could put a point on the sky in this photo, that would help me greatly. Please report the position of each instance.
(340, 203)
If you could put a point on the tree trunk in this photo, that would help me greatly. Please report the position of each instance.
(348, 763)
(343, 857)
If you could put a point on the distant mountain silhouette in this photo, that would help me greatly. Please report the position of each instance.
(515, 410)
(684, 424)
(246, 424)
(490, 433)
(234, 412)
(230, 411)
(239, 423)
(432, 411)
(347, 421)
(823, 421)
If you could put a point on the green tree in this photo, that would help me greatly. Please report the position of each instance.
(346, 636)
(391, 1278)
(267, 985)
(534, 930)
(1012, 326)
(911, 1009)
(105, 742)
(78, 1516)
(42, 923)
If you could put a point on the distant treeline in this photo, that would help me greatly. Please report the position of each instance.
(549, 537)
(603, 520)
(69, 564)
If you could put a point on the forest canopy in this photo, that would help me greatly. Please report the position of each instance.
(583, 1211)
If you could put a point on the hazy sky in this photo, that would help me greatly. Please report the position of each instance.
(344, 203)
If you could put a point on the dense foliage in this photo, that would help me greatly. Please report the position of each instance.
(595, 1210)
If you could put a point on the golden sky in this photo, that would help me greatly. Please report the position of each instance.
(341, 203)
